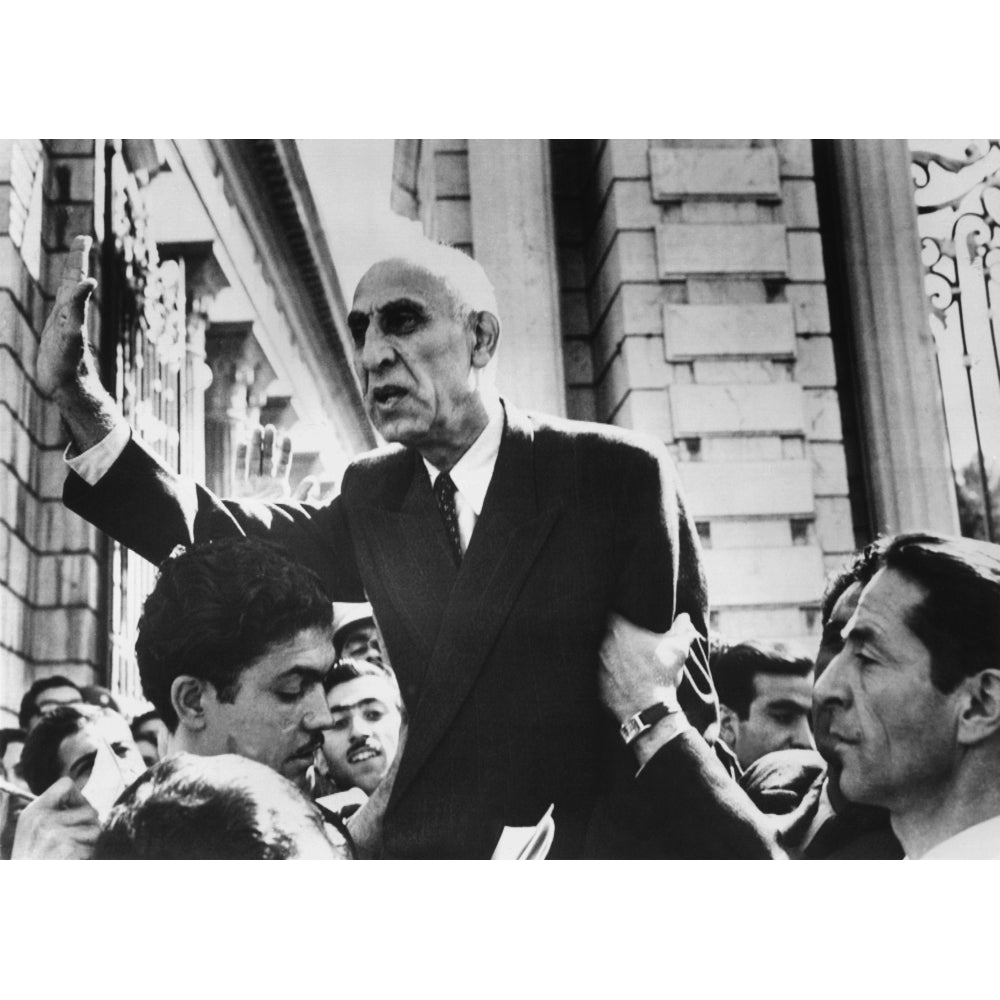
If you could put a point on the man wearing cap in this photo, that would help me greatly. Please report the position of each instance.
(491, 543)
(355, 636)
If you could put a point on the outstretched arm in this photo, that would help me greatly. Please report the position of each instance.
(66, 369)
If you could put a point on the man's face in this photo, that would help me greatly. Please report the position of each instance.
(279, 712)
(887, 730)
(361, 643)
(778, 718)
(78, 751)
(365, 734)
(50, 699)
(413, 355)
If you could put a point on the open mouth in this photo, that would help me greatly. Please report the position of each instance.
(362, 754)
(387, 395)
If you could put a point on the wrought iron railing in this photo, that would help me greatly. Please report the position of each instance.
(958, 206)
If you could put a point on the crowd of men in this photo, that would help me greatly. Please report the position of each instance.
(533, 667)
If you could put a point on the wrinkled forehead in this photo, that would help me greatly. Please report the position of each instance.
(401, 278)
(367, 687)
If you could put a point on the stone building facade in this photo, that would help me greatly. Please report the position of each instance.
(218, 305)
(757, 305)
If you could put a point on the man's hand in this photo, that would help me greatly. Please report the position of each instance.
(263, 466)
(64, 351)
(640, 668)
(60, 825)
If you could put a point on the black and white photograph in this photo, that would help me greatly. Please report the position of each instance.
(500, 499)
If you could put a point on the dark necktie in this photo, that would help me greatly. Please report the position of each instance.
(444, 490)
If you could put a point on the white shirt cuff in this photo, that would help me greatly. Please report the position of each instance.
(92, 464)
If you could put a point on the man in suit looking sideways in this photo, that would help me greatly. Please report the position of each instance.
(491, 543)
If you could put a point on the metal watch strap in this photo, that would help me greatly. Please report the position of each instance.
(635, 725)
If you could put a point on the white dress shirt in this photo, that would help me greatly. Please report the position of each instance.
(473, 472)
(975, 843)
(92, 464)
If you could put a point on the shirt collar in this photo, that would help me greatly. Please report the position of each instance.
(472, 473)
(976, 843)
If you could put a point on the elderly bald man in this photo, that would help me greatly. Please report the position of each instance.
(492, 544)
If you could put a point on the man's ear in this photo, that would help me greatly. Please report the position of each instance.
(187, 695)
(980, 715)
(729, 726)
(487, 334)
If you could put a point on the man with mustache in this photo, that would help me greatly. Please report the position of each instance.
(367, 712)
(491, 543)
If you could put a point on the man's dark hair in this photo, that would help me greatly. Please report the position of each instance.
(212, 808)
(40, 758)
(736, 667)
(28, 707)
(959, 618)
(860, 568)
(216, 608)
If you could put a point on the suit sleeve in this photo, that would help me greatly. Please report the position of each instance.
(150, 510)
(682, 804)
(659, 572)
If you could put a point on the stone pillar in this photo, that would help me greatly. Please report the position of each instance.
(897, 377)
(513, 234)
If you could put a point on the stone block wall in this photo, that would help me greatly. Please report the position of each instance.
(694, 309)
(50, 560)
(445, 210)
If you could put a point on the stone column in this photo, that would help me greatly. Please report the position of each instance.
(513, 234)
(897, 377)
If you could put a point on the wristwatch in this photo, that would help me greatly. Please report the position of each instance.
(635, 725)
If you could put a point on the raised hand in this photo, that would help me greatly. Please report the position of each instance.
(263, 465)
(64, 351)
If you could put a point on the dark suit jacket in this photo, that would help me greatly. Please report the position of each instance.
(683, 804)
(497, 660)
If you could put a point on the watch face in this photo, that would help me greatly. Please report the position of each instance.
(632, 727)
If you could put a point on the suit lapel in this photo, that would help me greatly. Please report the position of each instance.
(412, 560)
(508, 536)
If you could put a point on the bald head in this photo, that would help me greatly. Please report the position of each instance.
(425, 335)
(464, 280)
